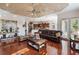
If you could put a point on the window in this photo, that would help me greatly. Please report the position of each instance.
(70, 28)
(65, 28)
(74, 28)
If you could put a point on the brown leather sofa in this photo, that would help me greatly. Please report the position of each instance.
(53, 35)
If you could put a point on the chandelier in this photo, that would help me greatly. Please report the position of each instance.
(35, 12)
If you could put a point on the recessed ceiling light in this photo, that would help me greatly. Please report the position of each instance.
(7, 4)
(14, 15)
(0, 15)
(32, 14)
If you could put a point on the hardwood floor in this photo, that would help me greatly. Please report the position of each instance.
(52, 48)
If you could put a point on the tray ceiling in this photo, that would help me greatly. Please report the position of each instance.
(33, 9)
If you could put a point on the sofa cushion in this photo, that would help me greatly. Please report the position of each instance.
(58, 34)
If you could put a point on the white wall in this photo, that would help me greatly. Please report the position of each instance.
(49, 18)
(67, 15)
(21, 20)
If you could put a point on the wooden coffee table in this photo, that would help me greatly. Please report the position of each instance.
(37, 43)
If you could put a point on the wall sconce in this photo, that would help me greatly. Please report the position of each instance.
(24, 25)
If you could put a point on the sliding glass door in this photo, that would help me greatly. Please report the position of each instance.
(70, 28)
(74, 28)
